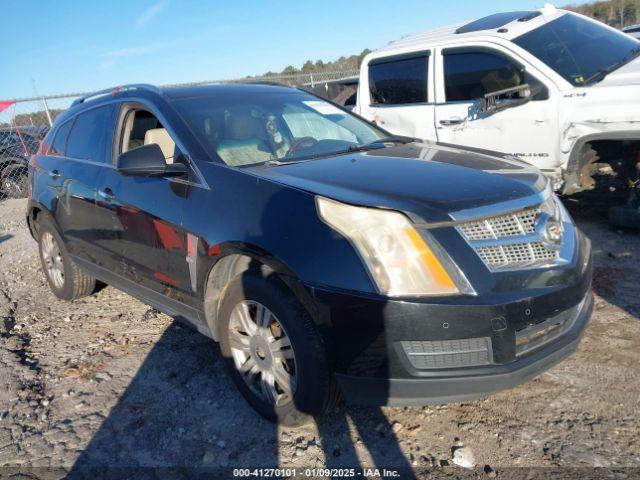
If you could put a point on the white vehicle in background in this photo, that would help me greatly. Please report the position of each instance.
(633, 30)
(557, 89)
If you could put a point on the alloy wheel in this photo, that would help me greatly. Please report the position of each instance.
(12, 188)
(262, 352)
(13, 185)
(52, 258)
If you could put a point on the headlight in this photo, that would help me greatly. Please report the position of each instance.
(398, 259)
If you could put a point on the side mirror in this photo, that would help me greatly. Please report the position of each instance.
(502, 99)
(148, 161)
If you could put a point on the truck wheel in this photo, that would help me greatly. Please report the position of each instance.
(14, 181)
(66, 280)
(625, 217)
(273, 351)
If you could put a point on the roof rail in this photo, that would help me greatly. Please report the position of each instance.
(113, 91)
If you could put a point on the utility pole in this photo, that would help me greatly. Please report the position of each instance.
(44, 102)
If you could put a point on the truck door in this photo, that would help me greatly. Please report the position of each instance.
(466, 74)
(397, 94)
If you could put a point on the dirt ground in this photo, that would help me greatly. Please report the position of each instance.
(107, 381)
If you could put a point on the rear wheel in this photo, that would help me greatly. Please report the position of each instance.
(14, 181)
(66, 280)
(273, 351)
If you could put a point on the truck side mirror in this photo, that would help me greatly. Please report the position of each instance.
(502, 99)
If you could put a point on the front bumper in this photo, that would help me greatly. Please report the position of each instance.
(379, 348)
(461, 385)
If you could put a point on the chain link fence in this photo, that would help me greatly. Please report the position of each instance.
(25, 122)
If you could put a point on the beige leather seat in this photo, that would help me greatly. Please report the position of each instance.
(242, 144)
(161, 137)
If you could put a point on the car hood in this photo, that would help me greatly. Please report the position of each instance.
(429, 182)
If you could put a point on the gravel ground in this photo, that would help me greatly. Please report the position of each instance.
(107, 381)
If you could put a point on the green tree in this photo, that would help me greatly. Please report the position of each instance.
(308, 67)
(290, 70)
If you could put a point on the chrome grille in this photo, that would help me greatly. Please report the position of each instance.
(516, 255)
(518, 223)
(510, 240)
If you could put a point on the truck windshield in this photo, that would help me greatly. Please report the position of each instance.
(581, 51)
(244, 127)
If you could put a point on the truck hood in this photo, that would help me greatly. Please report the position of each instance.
(428, 182)
(628, 74)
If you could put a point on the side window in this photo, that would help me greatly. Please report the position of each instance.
(470, 75)
(91, 135)
(351, 101)
(142, 127)
(59, 144)
(399, 81)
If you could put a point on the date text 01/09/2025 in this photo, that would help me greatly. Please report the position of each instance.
(315, 472)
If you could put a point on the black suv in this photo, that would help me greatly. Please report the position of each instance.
(325, 255)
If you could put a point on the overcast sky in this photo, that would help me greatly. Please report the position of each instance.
(79, 45)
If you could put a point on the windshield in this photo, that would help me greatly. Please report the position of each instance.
(582, 51)
(249, 127)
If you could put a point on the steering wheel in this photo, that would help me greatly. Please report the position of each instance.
(304, 141)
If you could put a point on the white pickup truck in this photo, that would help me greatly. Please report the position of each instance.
(557, 89)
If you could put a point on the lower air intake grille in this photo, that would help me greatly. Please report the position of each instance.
(465, 352)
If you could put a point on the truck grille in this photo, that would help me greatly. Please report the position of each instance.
(465, 352)
(511, 240)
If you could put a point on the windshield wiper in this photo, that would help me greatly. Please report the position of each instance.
(352, 148)
(274, 163)
(392, 139)
(602, 73)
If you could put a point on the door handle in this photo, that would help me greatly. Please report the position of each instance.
(54, 174)
(451, 121)
(107, 194)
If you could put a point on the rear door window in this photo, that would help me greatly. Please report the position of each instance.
(92, 134)
(399, 81)
(59, 145)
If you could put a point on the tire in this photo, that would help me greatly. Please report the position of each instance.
(14, 181)
(66, 280)
(314, 391)
(624, 217)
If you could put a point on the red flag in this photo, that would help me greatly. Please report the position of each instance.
(4, 105)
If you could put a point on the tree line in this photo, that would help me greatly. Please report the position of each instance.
(616, 13)
(341, 64)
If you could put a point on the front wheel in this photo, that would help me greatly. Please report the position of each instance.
(273, 351)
